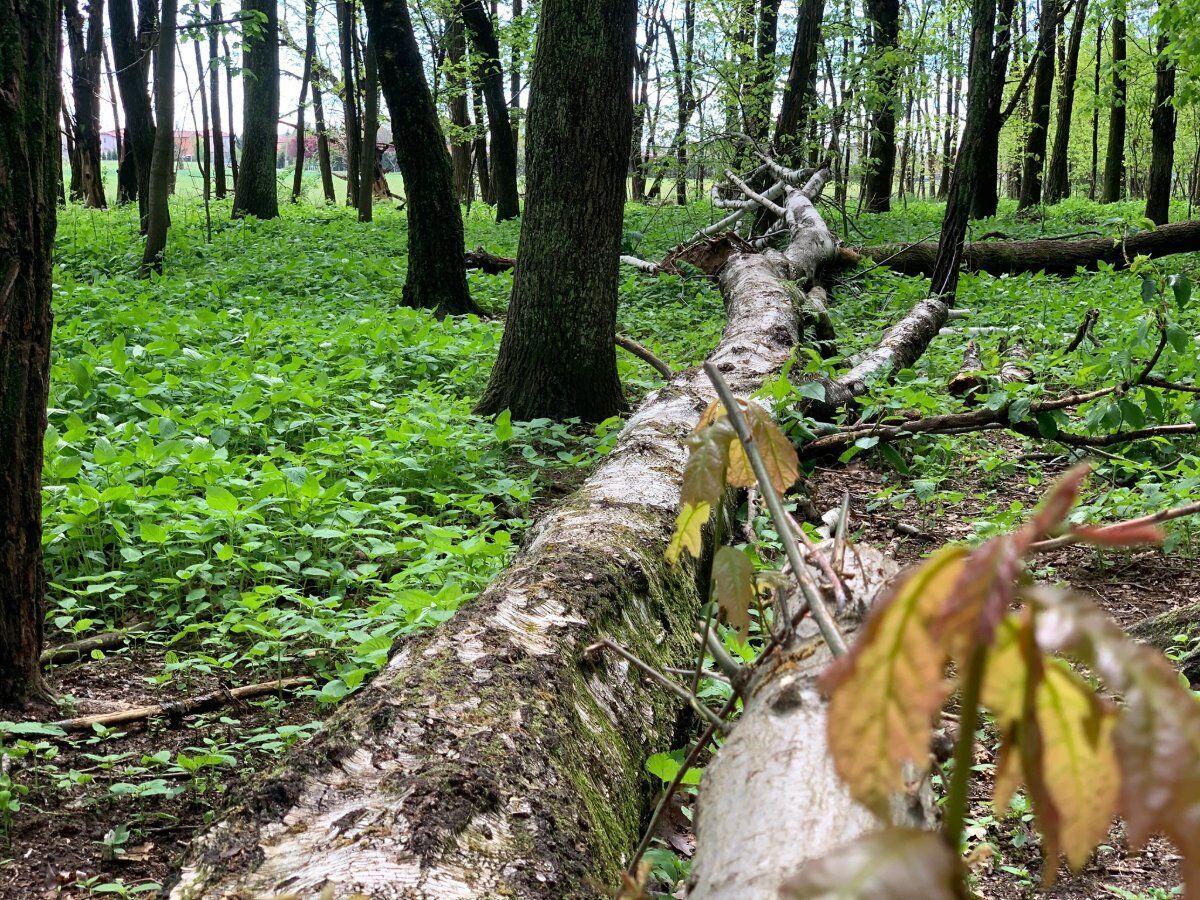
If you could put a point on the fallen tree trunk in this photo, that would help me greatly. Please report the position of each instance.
(489, 757)
(770, 800)
(1056, 257)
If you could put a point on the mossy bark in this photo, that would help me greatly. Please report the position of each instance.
(494, 756)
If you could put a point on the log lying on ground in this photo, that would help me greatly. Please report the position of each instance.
(1160, 631)
(77, 650)
(489, 758)
(770, 800)
(1057, 257)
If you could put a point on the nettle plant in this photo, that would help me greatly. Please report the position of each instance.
(970, 624)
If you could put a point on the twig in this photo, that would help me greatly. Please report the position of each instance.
(820, 612)
(187, 707)
(1166, 515)
(733, 669)
(645, 354)
(769, 205)
(660, 679)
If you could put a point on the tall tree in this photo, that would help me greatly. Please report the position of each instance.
(456, 101)
(214, 88)
(963, 181)
(798, 96)
(86, 46)
(986, 156)
(30, 178)
(162, 166)
(437, 276)
(205, 151)
(1058, 183)
(1114, 155)
(1094, 180)
(557, 357)
(345, 19)
(685, 89)
(1034, 157)
(491, 78)
(255, 193)
(762, 82)
(131, 56)
(306, 78)
(885, 25)
(1162, 135)
(370, 132)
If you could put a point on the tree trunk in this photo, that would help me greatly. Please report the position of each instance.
(323, 145)
(494, 756)
(306, 79)
(797, 91)
(1058, 257)
(1058, 180)
(256, 193)
(345, 18)
(762, 82)
(214, 89)
(1162, 138)
(456, 90)
(204, 152)
(233, 159)
(162, 165)
(557, 357)
(1114, 156)
(490, 77)
(885, 21)
(85, 50)
(966, 177)
(437, 276)
(370, 135)
(1039, 120)
(948, 144)
(480, 152)
(131, 55)
(30, 178)
(986, 156)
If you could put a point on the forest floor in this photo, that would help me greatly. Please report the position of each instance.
(266, 460)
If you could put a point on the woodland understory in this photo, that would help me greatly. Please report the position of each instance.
(270, 535)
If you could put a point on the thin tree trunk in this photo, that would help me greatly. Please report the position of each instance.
(986, 156)
(951, 132)
(964, 181)
(205, 149)
(30, 178)
(75, 192)
(885, 21)
(306, 79)
(762, 90)
(514, 82)
(482, 167)
(256, 193)
(353, 130)
(233, 158)
(797, 91)
(214, 89)
(1058, 179)
(1114, 156)
(323, 145)
(370, 136)
(1039, 120)
(1162, 136)
(437, 275)
(85, 49)
(131, 55)
(490, 76)
(115, 105)
(1094, 180)
(557, 357)
(456, 91)
(162, 165)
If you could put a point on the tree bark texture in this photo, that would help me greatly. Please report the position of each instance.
(985, 155)
(162, 165)
(86, 45)
(307, 78)
(30, 177)
(797, 91)
(885, 20)
(1114, 154)
(1058, 179)
(352, 130)
(370, 132)
(220, 187)
(491, 78)
(556, 357)
(1034, 157)
(256, 193)
(131, 56)
(460, 145)
(492, 757)
(1058, 257)
(1162, 138)
(437, 277)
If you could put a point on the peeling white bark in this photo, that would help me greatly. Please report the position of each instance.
(489, 758)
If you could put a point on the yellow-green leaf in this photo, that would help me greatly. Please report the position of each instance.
(704, 474)
(733, 584)
(778, 455)
(688, 527)
(887, 689)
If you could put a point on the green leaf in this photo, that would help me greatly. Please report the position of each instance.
(153, 533)
(503, 425)
(688, 529)
(1179, 339)
(1181, 285)
(667, 765)
(220, 500)
(733, 585)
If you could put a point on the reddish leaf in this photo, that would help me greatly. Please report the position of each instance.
(887, 689)
(733, 584)
(1120, 534)
(1054, 508)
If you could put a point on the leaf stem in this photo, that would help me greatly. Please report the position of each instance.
(964, 747)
